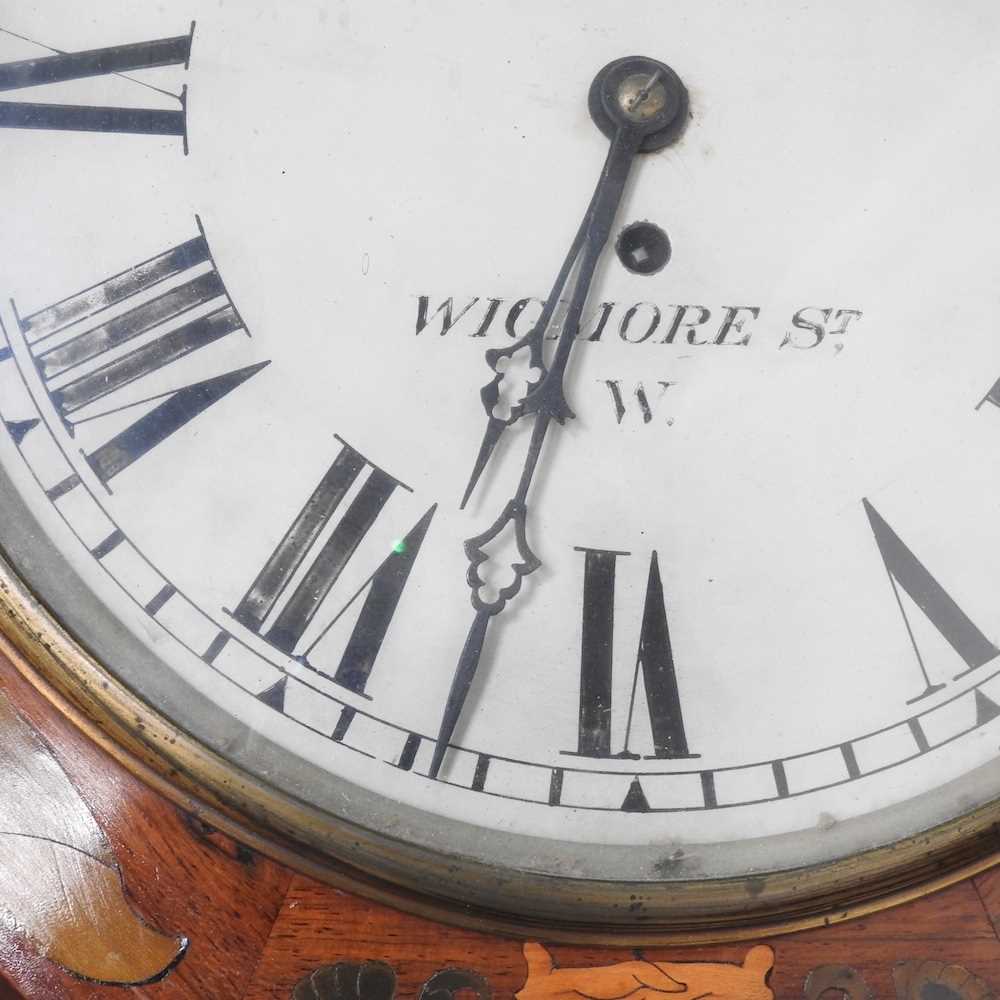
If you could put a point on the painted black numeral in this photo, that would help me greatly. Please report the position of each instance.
(70, 341)
(992, 397)
(906, 571)
(285, 626)
(654, 660)
(118, 59)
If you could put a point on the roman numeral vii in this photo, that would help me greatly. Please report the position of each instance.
(302, 571)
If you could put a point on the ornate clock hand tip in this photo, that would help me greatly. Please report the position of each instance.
(494, 430)
(437, 761)
(465, 674)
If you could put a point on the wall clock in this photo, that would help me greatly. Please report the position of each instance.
(536, 464)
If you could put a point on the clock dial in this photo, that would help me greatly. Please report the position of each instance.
(638, 535)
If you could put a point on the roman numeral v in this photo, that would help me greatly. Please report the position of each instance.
(907, 573)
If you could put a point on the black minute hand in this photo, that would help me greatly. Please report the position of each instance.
(641, 105)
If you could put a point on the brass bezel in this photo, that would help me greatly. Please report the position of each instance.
(299, 836)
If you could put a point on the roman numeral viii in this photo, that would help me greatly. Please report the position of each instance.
(116, 60)
(91, 348)
(302, 571)
(654, 661)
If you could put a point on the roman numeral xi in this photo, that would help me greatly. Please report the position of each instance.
(118, 60)
(302, 571)
(95, 350)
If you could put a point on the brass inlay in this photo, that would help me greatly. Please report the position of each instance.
(643, 980)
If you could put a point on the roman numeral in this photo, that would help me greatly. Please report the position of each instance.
(906, 571)
(282, 603)
(654, 661)
(118, 60)
(80, 349)
(992, 397)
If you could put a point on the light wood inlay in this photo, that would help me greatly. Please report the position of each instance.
(257, 930)
(60, 886)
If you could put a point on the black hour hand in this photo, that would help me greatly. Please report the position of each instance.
(641, 105)
(533, 345)
(499, 361)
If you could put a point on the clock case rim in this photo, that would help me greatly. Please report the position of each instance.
(505, 900)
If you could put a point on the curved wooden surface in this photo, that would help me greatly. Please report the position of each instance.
(225, 923)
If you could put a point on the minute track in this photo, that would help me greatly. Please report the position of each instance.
(905, 740)
(976, 704)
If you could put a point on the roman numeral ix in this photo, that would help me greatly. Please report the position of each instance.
(283, 601)
(654, 661)
(115, 60)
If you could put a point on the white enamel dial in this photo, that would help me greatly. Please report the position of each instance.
(252, 288)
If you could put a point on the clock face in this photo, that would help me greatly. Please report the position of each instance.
(559, 459)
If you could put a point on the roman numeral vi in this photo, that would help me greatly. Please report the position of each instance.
(654, 661)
